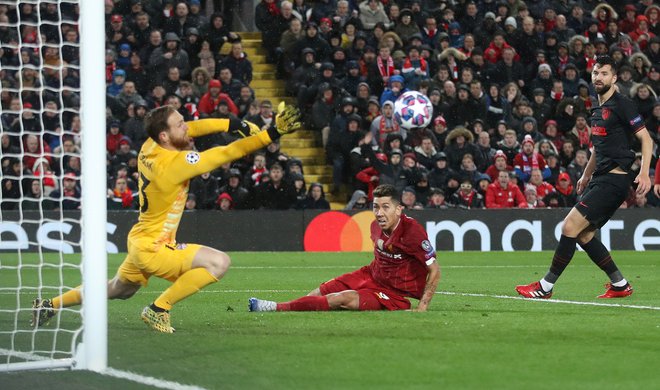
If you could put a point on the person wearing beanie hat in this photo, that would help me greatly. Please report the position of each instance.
(510, 24)
(500, 163)
(529, 159)
(225, 202)
(603, 186)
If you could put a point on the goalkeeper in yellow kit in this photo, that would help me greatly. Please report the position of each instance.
(166, 164)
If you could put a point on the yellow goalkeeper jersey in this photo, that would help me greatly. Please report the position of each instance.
(165, 177)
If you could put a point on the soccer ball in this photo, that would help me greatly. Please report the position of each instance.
(413, 109)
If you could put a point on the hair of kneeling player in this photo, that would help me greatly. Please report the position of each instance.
(387, 190)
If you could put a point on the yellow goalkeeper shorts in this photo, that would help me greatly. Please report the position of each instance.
(169, 262)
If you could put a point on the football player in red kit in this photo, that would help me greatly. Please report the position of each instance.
(404, 266)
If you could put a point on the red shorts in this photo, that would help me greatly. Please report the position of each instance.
(373, 296)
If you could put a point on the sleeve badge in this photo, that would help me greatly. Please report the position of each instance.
(192, 157)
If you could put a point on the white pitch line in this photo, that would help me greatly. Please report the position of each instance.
(147, 380)
(549, 300)
(441, 266)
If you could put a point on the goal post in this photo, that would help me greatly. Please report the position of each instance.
(94, 214)
(47, 251)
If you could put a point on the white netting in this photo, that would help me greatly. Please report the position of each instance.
(39, 224)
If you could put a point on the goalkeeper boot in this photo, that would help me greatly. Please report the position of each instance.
(261, 305)
(42, 312)
(533, 290)
(617, 292)
(157, 320)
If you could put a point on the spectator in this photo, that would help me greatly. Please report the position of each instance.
(532, 198)
(577, 166)
(384, 125)
(210, 100)
(359, 201)
(217, 34)
(69, 195)
(324, 111)
(370, 176)
(238, 63)
(118, 79)
(464, 110)
(542, 188)
(275, 194)
(503, 194)
(230, 85)
(460, 142)
(113, 137)
(409, 199)
(437, 200)
(315, 198)
(200, 81)
(224, 202)
(168, 56)
(239, 194)
(340, 145)
(425, 152)
(254, 175)
(500, 163)
(467, 197)
(265, 117)
(441, 173)
(395, 89)
(565, 196)
(529, 159)
(205, 189)
(120, 197)
(180, 22)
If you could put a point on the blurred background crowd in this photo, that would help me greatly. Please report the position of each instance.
(509, 82)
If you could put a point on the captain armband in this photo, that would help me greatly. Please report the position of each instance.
(430, 261)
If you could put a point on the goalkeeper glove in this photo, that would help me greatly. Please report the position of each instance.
(287, 119)
(242, 128)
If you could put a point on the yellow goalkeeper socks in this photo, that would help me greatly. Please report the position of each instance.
(69, 298)
(188, 284)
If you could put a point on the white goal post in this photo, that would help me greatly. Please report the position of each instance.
(32, 267)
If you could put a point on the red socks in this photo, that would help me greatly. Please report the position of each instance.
(313, 303)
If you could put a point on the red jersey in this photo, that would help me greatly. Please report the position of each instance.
(499, 198)
(401, 258)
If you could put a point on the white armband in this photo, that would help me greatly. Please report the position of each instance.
(430, 261)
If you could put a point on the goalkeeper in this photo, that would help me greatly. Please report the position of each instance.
(166, 164)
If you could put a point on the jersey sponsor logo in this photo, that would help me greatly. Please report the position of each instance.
(380, 243)
(599, 131)
(192, 157)
(426, 245)
(605, 113)
(636, 120)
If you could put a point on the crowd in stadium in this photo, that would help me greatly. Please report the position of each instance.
(509, 82)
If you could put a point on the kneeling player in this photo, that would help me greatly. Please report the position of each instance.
(404, 266)
(166, 165)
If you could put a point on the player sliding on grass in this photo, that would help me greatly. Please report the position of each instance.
(404, 266)
(613, 121)
(166, 164)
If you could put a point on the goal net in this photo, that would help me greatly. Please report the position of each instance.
(52, 224)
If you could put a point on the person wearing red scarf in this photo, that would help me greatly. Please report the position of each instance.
(385, 64)
(564, 196)
(121, 191)
(529, 159)
(466, 197)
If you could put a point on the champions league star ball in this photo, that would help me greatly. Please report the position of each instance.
(413, 109)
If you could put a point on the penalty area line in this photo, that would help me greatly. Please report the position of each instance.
(148, 380)
(548, 300)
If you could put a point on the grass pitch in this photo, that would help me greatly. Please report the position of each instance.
(473, 337)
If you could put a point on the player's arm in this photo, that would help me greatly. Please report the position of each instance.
(187, 164)
(587, 173)
(432, 280)
(210, 126)
(643, 179)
